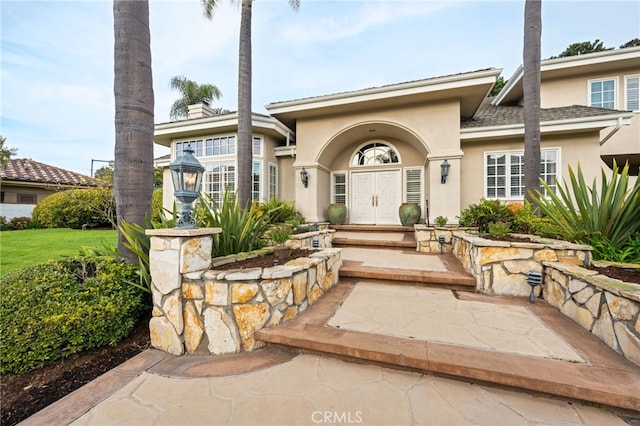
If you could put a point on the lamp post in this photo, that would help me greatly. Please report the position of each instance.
(186, 174)
(444, 171)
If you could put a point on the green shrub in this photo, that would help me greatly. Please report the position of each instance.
(279, 234)
(76, 208)
(52, 310)
(282, 212)
(482, 214)
(603, 249)
(244, 228)
(157, 211)
(441, 220)
(499, 229)
(18, 223)
(583, 213)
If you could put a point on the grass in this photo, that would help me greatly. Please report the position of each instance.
(19, 249)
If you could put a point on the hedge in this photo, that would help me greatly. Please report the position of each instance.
(52, 310)
(77, 208)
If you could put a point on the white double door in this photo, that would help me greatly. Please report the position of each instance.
(375, 197)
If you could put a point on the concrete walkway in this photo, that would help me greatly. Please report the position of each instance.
(279, 386)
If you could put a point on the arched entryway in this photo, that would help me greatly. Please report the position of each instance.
(373, 168)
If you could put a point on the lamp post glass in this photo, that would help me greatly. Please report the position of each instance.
(186, 174)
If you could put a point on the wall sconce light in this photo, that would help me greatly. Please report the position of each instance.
(304, 177)
(186, 173)
(444, 171)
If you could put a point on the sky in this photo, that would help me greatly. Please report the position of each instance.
(56, 92)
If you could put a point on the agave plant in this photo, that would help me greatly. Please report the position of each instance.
(243, 228)
(583, 213)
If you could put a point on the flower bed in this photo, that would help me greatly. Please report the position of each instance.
(501, 267)
(199, 309)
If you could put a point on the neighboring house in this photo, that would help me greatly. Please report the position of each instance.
(24, 183)
(376, 148)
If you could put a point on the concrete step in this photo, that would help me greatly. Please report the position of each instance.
(355, 242)
(605, 379)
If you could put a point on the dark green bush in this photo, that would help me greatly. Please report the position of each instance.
(482, 214)
(52, 310)
(76, 208)
(282, 212)
(157, 211)
(18, 223)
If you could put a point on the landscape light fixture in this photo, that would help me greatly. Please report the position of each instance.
(186, 173)
(441, 242)
(534, 279)
(444, 171)
(304, 177)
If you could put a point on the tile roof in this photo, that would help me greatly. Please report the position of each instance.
(27, 170)
(490, 115)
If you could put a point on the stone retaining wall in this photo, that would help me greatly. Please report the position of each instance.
(197, 309)
(501, 267)
(427, 238)
(608, 308)
(305, 240)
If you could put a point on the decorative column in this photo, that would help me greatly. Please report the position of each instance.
(174, 252)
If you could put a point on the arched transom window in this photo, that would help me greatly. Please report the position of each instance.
(374, 154)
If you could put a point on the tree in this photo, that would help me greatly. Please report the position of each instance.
(531, 94)
(500, 82)
(583, 48)
(134, 102)
(191, 93)
(5, 153)
(104, 173)
(631, 43)
(245, 127)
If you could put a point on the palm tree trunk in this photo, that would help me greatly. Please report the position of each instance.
(133, 90)
(245, 134)
(531, 92)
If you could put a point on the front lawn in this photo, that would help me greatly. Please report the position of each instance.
(23, 248)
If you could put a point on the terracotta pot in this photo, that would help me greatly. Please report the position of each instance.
(337, 214)
(409, 213)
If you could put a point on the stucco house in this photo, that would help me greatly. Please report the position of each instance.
(25, 182)
(375, 148)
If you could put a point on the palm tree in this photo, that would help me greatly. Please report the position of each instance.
(245, 128)
(192, 93)
(133, 90)
(531, 92)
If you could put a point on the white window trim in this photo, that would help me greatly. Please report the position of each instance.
(261, 146)
(517, 151)
(346, 185)
(275, 166)
(369, 142)
(174, 148)
(626, 78)
(261, 174)
(615, 90)
(404, 183)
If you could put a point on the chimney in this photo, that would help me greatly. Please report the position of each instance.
(200, 110)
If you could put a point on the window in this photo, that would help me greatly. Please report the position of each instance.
(225, 145)
(27, 199)
(602, 93)
(339, 188)
(632, 92)
(413, 185)
(255, 181)
(504, 172)
(273, 181)
(219, 177)
(257, 146)
(375, 154)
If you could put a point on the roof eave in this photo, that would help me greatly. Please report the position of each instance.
(554, 126)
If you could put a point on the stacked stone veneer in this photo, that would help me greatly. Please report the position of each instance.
(427, 237)
(608, 308)
(197, 309)
(501, 267)
(305, 240)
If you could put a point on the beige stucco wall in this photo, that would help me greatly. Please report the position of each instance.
(574, 90)
(326, 143)
(287, 179)
(584, 146)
